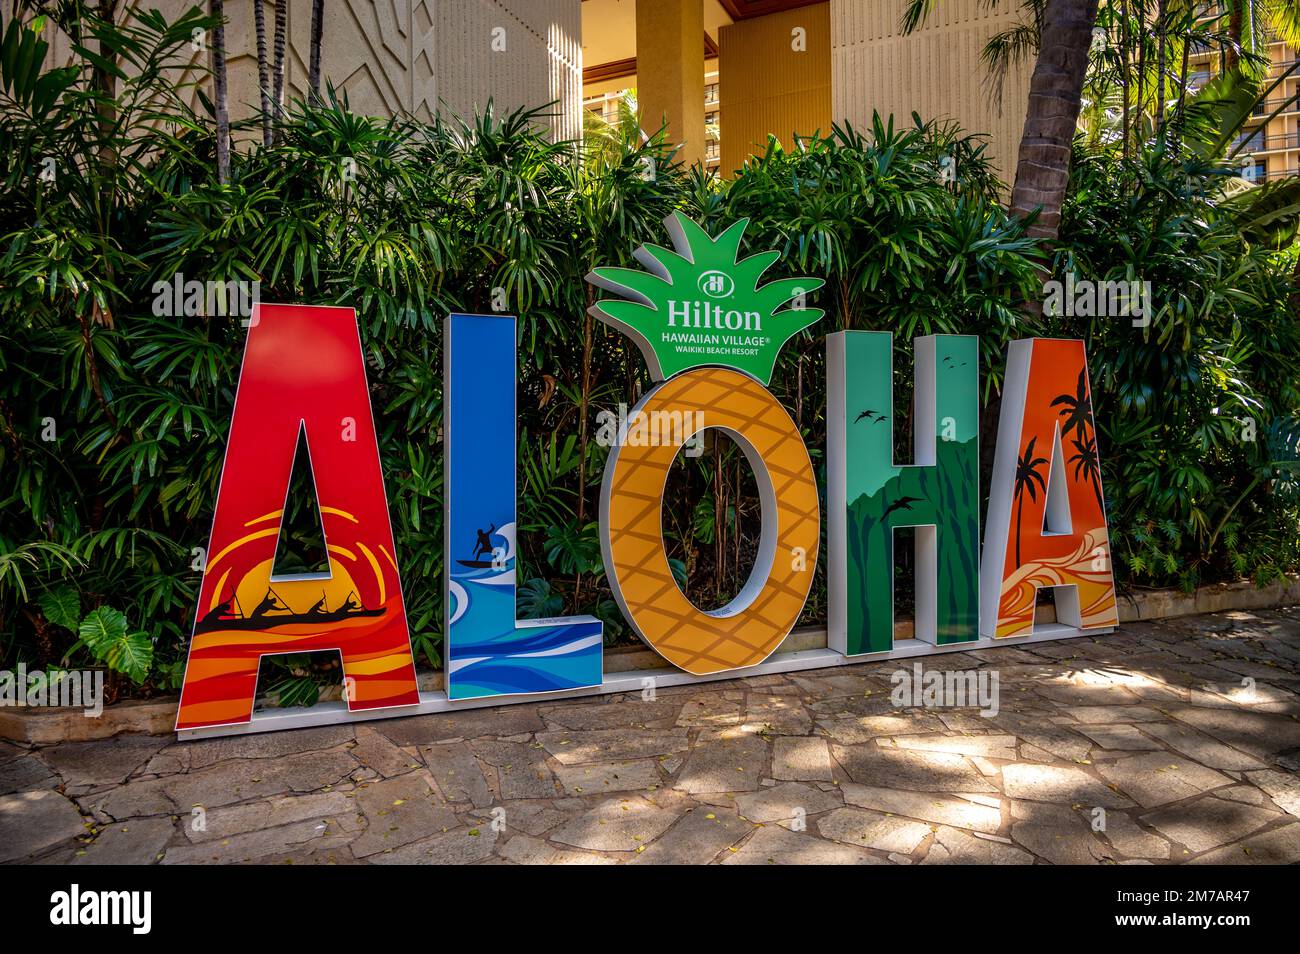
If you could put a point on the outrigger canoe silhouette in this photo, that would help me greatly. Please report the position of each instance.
(272, 612)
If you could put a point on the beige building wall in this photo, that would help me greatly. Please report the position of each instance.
(1273, 151)
(541, 60)
(936, 71)
(410, 56)
(766, 85)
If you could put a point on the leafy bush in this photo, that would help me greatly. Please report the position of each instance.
(1195, 409)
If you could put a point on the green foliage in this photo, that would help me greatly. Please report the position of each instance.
(105, 633)
(1194, 408)
(900, 250)
(537, 601)
(61, 606)
(1268, 214)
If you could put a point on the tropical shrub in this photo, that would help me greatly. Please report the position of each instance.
(1198, 409)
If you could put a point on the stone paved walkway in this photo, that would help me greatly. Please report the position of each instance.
(1147, 746)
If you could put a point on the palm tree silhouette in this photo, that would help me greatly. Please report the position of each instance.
(1085, 465)
(1076, 414)
(1076, 409)
(1027, 476)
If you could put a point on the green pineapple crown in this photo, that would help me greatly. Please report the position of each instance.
(700, 304)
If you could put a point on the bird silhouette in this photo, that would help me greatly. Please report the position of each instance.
(902, 503)
(868, 414)
(880, 417)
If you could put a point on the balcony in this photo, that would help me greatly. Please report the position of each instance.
(1256, 145)
(1267, 106)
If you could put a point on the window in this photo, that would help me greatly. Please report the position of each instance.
(1252, 141)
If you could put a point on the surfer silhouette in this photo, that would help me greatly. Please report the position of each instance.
(484, 543)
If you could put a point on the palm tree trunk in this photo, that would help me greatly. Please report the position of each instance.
(219, 92)
(1183, 70)
(277, 59)
(1055, 92)
(317, 28)
(735, 507)
(585, 384)
(1162, 33)
(263, 70)
(1124, 72)
(1235, 20)
(1020, 506)
(719, 543)
(104, 81)
(1141, 72)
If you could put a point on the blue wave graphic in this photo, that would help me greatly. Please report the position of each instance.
(493, 654)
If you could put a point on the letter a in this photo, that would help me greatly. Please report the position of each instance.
(1047, 513)
(303, 372)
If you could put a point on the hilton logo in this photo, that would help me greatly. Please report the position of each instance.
(717, 284)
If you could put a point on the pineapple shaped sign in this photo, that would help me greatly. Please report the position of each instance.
(710, 335)
(700, 304)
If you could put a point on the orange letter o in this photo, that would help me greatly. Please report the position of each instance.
(752, 625)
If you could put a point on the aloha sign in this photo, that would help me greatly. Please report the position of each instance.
(710, 331)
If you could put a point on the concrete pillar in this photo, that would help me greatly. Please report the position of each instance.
(670, 72)
(774, 76)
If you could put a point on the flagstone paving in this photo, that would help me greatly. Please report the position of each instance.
(1168, 742)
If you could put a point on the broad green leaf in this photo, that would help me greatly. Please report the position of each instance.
(131, 655)
(61, 606)
(101, 628)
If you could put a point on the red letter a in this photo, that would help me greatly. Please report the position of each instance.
(303, 371)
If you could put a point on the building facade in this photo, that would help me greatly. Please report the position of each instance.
(1271, 147)
(723, 75)
(411, 56)
(794, 67)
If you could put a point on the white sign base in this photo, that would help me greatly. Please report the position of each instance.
(640, 680)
